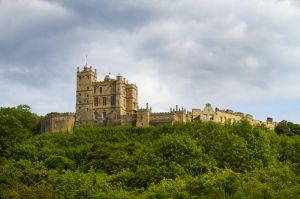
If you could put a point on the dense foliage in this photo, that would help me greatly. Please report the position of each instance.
(195, 160)
(287, 128)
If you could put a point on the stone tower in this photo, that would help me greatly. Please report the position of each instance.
(143, 117)
(84, 94)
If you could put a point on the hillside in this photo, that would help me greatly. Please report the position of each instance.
(194, 160)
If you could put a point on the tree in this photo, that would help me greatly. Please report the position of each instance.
(11, 132)
(287, 128)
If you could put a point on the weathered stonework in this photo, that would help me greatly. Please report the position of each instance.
(111, 102)
(227, 116)
(145, 117)
(114, 102)
(58, 122)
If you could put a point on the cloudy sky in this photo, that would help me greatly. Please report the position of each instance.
(236, 54)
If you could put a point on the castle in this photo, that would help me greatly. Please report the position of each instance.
(114, 102)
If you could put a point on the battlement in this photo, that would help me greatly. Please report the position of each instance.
(177, 109)
(147, 108)
(86, 68)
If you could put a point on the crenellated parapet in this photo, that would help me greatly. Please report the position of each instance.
(86, 68)
(178, 109)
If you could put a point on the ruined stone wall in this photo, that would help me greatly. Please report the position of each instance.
(207, 114)
(228, 116)
(196, 113)
(58, 122)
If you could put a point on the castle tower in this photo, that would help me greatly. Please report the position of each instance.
(131, 98)
(84, 95)
(143, 117)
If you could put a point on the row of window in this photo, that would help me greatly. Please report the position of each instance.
(104, 101)
(100, 90)
(113, 89)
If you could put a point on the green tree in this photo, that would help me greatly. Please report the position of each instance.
(287, 128)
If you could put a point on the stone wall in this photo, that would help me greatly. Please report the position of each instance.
(58, 122)
(227, 116)
(162, 118)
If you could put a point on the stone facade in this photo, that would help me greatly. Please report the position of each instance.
(58, 122)
(114, 102)
(111, 102)
(226, 116)
(145, 117)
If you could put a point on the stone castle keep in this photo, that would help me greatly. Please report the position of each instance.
(114, 102)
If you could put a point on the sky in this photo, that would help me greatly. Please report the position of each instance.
(235, 54)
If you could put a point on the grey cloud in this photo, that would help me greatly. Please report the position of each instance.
(223, 51)
(112, 14)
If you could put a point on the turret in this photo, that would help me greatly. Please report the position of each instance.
(143, 116)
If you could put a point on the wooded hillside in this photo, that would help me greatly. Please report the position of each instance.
(194, 160)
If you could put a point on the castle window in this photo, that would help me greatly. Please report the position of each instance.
(87, 88)
(79, 94)
(95, 89)
(96, 101)
(104, 116)
(96, 115)
(104, 101)
(113, 100)
(87, 95)
(100, 89)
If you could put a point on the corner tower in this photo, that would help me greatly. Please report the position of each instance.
(84, 94)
